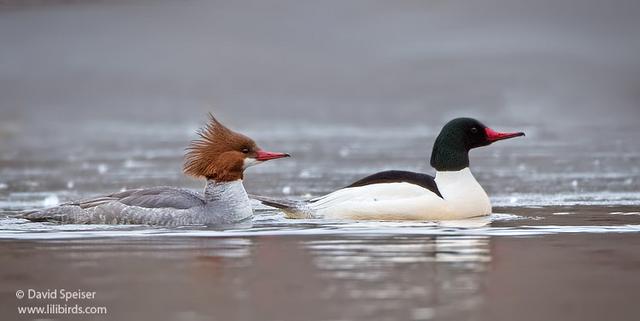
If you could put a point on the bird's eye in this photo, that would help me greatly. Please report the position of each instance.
(474, 130)
(245, 150)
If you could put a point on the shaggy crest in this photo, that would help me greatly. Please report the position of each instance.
(217, 154)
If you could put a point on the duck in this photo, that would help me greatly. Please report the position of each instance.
(219, 156)
(453, 193)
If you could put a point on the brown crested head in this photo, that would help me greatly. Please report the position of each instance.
(222, 154)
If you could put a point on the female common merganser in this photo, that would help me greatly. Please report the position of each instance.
(220, 155)
(398, 195)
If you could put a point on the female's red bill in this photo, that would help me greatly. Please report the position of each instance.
(265, 156)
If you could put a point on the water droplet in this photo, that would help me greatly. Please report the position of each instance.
(51, 200)
(305, 174)
(129, 163)
(70, 184)
(286, 190)
(102, 168)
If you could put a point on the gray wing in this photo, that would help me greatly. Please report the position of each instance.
(159, 206)
(154, 197)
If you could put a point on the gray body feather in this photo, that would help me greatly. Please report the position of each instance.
(222, 203)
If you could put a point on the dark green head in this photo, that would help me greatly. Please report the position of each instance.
(457, 138)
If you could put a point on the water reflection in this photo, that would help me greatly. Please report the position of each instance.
(423, 277)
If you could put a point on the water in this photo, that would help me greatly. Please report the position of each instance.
(507, 266)
(554, 231)
(347, 92)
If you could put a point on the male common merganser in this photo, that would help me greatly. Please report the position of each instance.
(220, 155)
(399, 195)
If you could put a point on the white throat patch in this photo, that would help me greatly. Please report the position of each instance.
(248, 162)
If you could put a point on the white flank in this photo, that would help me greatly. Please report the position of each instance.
(463, 198)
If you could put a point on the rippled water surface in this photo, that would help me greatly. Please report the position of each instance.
(555, 240)
(503, 267)
(99, 96)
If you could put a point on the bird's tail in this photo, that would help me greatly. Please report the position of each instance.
(291, 208)
(17, 214)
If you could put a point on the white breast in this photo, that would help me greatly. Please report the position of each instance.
(463, 193)
(463, 197)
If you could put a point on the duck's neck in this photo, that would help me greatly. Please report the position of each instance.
(449, 159)
(228, 202)
(224, 191)
(459, 178)
(449, 153)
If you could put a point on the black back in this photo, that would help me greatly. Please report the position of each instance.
(424, 180)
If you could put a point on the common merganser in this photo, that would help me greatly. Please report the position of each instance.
(399, 195)
(220, 155)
